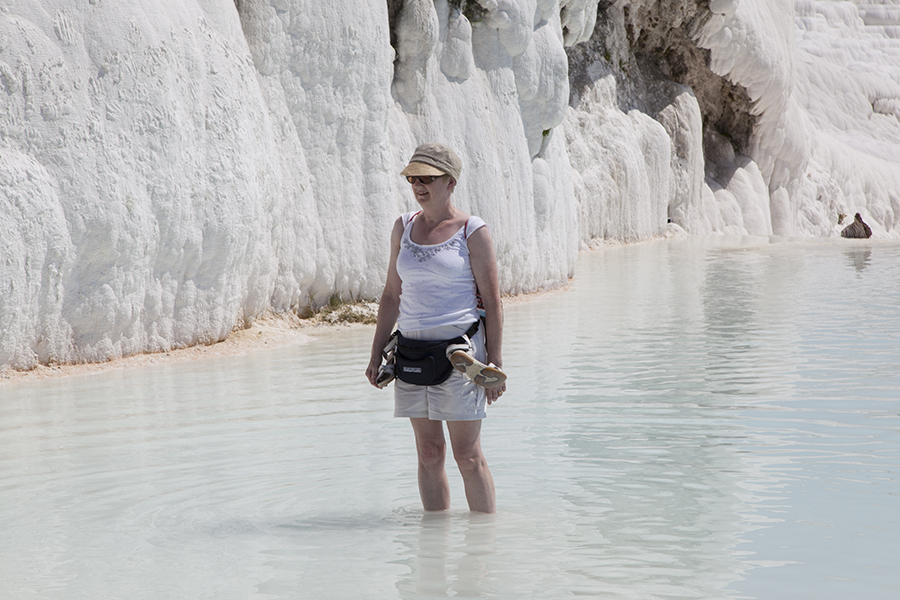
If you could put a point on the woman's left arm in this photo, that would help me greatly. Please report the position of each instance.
(484, 266)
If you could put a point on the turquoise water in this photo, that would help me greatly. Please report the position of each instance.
(691, 419)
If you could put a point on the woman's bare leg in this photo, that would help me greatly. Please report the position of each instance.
(431, 448)
(465, 438)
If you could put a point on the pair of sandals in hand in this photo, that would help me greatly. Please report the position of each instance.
(460, 355)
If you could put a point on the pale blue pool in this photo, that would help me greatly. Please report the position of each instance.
(691, 419)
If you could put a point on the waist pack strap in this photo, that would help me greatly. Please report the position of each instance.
(427, 344)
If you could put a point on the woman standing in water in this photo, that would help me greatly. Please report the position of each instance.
(441, 261)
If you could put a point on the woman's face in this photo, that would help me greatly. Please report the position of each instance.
(438, 190)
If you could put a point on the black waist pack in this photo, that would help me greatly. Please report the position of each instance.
(425, 362)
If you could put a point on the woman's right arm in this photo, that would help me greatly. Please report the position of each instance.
(389, 307)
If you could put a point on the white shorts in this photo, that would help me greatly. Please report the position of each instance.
(457, 399)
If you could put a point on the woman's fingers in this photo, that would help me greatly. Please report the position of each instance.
(494, 394)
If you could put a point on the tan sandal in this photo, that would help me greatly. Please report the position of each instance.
(487, 376)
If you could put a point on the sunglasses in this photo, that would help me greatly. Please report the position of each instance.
(423, 179)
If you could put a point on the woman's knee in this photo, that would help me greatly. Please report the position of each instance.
(470, 462)
(432, 454)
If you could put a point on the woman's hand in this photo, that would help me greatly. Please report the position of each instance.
(372, 369)
(493, 394)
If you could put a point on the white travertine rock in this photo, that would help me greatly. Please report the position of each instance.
(171, 170)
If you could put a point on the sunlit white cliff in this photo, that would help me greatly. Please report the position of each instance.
(170, 170)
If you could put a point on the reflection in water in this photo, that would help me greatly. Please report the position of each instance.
(858, 257)
(447, 556)
(692, 418)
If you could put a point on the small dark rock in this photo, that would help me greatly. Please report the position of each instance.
(857, 229)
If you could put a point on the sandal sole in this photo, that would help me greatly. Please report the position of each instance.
(486, 376)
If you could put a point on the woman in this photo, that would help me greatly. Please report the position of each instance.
(441, 260)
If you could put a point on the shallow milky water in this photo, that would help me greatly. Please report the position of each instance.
(691, 419)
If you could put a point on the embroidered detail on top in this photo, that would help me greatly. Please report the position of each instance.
(421, 253)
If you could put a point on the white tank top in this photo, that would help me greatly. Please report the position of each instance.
(437, 283)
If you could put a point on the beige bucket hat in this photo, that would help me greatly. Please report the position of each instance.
(435, 160)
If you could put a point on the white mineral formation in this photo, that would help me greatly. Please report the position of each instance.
(171, 170)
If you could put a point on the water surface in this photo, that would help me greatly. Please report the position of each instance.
(691, 419)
